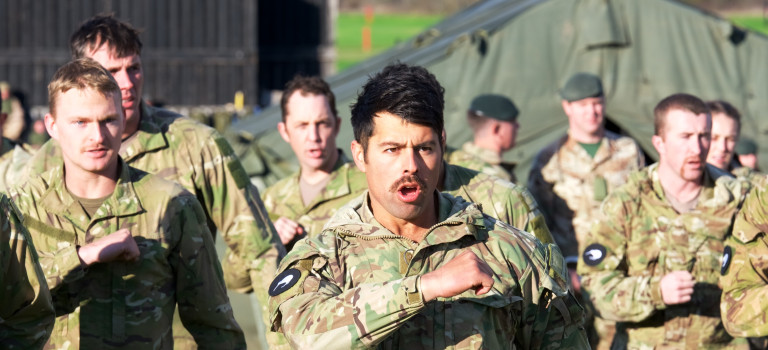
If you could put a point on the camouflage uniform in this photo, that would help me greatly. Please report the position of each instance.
(480, 159)
(129, 304)
(744, 301)
(640, 239)
(13, 160)
(358, 287)
(499, 199)
(284, 198)
(746, 173)
(26, 311)
(569, 185)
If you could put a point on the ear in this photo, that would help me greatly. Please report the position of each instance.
(658, 144)
(337, 126)
(444, 139)
(281, 128)
(51, 127)
(358, 155)
(566, 106)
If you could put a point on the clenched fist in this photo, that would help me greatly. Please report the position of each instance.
(464, 272)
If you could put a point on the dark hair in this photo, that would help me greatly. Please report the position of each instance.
(105, 29)
(307, 85)
(684, 102)
(410, 92)
(727, 109)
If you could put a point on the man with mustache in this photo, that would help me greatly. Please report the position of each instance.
(651, 260)
(405, 266)
(120, 247)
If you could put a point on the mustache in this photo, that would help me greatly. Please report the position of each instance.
(407, 179)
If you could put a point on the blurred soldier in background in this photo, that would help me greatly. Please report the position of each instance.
(746, 151)
(726, 130)
(493, 119)
(13, 156)
(652, 258)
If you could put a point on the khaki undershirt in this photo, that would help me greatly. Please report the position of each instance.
(310, 191)
(682, 207)
(90, 205)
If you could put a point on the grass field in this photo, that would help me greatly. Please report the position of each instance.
(756, 23)
(386, 30)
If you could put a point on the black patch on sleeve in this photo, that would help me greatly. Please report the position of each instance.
(727, 257)
(284, 281)
(594, 254)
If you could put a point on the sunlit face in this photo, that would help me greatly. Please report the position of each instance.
(129, 74)
(311, 128)
(684, 143)
(402, 165)
(748, 160)
(88, 126)
(508, 134)
(585, 116)
(725, 134)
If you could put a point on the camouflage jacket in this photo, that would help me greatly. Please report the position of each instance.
(569, 185)
(499, 199)
(129, 304)
(26, 311)
(284, 198)
(745, 268)
(13, 160)
(746, 173)
(357, 287)
(480, 159)
(639, 239)
(198, 158)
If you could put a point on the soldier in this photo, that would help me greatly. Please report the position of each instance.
(493, 119)
(404, 266)
(120, 247)
(571, 176)
(302, 203)
(179, 150)
(726, 128)
(26, 311)
(651, 260)
(13, 157)
(746, 151)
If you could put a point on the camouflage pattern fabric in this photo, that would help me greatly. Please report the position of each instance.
(129, 304)
(13, 161)
(26, 310)
(639, 239)
(480, 159)
(569, 185)
(746, 173)
(499, 199)
(358, 287)
(198, 158)
(744, 301)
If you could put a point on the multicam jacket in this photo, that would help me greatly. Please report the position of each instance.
(744, 268)
(26, 311)
(569, 185)
(499, 199)
(129, 304)
(13, 160)
(198, 158)
(356, 286)
(480, 159)
(639, 239)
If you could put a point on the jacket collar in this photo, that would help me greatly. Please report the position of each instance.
(149, 137)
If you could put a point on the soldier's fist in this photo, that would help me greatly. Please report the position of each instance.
(676, 287)
(117, 246)
(288, 229)
(464, 272)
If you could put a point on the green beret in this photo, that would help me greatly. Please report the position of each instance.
(494, 106)
(581, 86)
(746, 146)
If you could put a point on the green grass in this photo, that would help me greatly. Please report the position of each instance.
(386, 30)
(756, 23)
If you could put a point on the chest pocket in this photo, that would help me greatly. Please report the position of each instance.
(484, 321)
(642, 256)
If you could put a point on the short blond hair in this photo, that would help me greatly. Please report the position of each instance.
(81, 74)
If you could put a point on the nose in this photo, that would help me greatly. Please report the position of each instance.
(410, 161)
(96, 132)
(314, 133)
(123, 79)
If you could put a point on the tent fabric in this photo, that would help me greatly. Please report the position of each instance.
(644, 50)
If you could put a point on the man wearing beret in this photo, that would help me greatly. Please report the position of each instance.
(571, 176)
(746, 152)
(493, 119)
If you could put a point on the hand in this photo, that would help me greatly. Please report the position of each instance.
(464, 272)
(288, 229)
(117, 246)
(676, 287)
(575, 280)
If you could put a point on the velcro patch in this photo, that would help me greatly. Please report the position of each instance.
(594, 254)
(727, 256)
(284, 281)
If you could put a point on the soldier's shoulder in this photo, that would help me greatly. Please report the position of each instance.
(172, 123)
(546, 153)
(279, 188)
(153, 187)
(738, 186)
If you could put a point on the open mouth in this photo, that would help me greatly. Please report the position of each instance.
(408, 192)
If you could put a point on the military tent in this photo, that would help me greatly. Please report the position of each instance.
(644, 50)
